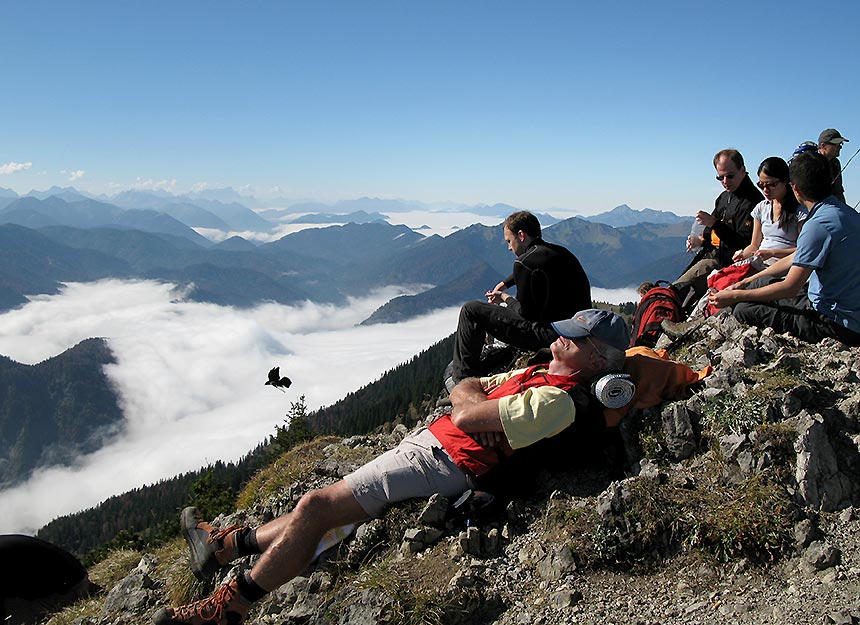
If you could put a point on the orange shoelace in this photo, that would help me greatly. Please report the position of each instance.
(209, 609)
(216, 535)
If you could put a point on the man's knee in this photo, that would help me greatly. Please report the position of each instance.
(313, 504)
(472, 309)
(751, 313)
(328, 507)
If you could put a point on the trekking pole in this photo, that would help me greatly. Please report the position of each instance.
(849, 160)
(846, 165)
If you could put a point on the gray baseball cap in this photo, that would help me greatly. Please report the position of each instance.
(831, 135)
(601, 324)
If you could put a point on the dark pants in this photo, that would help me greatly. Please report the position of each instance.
(794, 316)
(477, 319)
(697, 276)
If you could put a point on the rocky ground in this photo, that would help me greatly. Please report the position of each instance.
(820, 584)
(742, 505)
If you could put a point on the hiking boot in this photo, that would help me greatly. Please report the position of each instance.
(210, 548)
(679, 329)
(225, 607)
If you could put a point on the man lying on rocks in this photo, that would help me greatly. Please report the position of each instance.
(489, 419)
(827, 254)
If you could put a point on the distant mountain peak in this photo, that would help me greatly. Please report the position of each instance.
(623, 215)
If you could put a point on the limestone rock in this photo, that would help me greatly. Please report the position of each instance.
(820, 555)
(132, 594)
(678, 430)
(557, 563)
(434, 511)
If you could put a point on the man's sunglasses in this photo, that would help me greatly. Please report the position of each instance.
(726, 176)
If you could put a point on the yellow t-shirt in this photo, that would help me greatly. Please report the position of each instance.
(534, 414)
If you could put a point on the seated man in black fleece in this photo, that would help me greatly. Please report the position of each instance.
(551, 285)
(729, 228)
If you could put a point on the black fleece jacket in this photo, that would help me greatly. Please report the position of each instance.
(551, 283)
(734, 224)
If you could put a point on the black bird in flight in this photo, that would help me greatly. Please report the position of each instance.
(277, 381)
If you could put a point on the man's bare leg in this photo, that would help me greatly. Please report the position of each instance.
(289, 542)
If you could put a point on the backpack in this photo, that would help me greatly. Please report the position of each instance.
(659, 303)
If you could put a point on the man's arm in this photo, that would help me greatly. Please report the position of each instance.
(777, 269)
(794, 281)
(471, 410)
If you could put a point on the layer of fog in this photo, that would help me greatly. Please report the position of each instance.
(190, 377)
(615, 296)
(423, 222)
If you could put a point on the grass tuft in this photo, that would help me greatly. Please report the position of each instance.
(283, 472)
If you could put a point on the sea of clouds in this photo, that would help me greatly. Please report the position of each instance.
(190, 377)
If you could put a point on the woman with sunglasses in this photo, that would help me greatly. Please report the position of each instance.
(776, 220)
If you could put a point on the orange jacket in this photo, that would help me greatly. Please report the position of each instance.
(657, 379)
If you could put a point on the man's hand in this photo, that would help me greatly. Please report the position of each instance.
(488, 439)
(726, 297)
(706, 219)
(694, 242)
(496, 295)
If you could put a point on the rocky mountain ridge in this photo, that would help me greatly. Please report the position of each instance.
(738, 505)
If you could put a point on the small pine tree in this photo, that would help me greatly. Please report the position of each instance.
(212, 497)
(296, 429)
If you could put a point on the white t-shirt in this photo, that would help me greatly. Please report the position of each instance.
(774, 237)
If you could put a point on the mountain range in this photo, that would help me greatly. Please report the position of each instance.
(214, 207)
(319, 264)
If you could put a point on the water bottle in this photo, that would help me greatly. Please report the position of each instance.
(697, 228)
(696, 232)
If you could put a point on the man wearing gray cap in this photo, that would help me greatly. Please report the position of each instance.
(490, 418)
(830, 145)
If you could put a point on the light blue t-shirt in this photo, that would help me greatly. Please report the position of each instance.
(829, 244)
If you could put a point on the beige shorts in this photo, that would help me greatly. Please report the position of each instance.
(418, 467)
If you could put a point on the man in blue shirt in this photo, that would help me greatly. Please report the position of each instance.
(827, 255)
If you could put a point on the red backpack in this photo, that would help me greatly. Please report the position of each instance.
(661, 302)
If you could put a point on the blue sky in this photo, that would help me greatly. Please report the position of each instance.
(540, 105)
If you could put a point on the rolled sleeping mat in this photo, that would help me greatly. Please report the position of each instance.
(614, 390)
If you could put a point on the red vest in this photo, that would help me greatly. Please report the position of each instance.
(469, 454)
